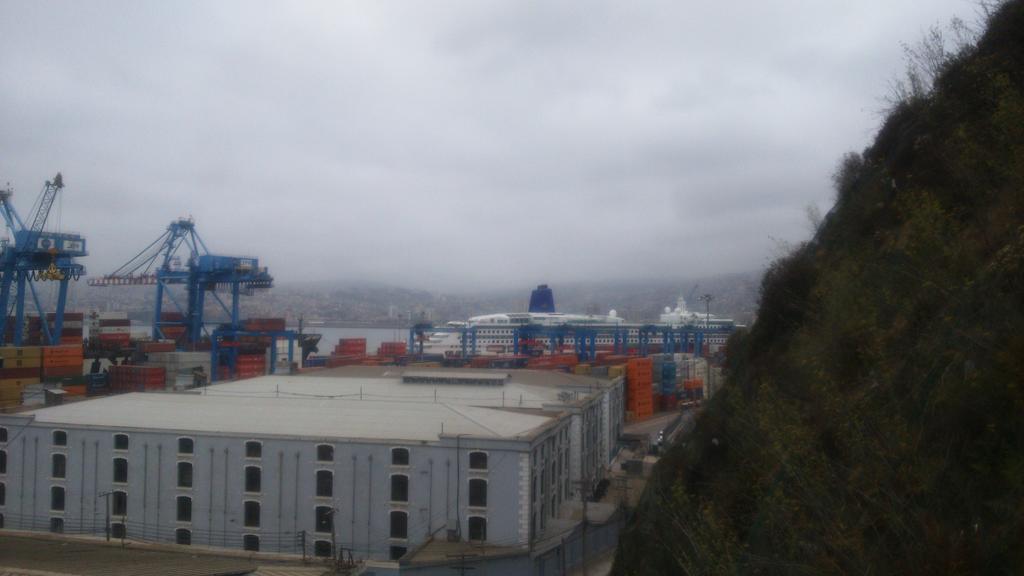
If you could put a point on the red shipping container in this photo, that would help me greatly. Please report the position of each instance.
(54, 371)
(11, 373)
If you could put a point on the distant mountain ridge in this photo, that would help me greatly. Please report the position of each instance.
(363, 301)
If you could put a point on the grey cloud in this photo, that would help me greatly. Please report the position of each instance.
(441, 143)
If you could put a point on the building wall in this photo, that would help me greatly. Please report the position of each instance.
(287, 496)
(550, 483)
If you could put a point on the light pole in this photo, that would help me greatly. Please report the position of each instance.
(106, 496)
(707, 298)
(334, 545)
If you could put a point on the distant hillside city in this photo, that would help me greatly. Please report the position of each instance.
(734, 296)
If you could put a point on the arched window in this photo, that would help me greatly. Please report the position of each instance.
(3, 434)
(183, 536)
(184, 509)
(253, 479)
(251, 542)
(324, 519)
(186, 446)
(324, 483)
(325, 453)
(3, 461)
(121, 470)
(478, 492)
(399, 524)
(322, 549)
(478, 460)
(184, 474)
(477, 528)
(399, 456)
(119, 503)
(252, 514)
(59, 467)
(57, 498)
(253, 449)
(57, 525)
(60, 438)
(399, 488)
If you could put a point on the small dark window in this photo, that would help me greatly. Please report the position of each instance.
(57, 498)
(183, 536)
(322, 549)
(3, 434)
(120, 441)
(253, 449)
(324, 519)
(477, 492)
(396, 552)
(477, 528)
(325, 453)
(252, 514)
(60, 466)
(399, 524)
(118, 531)
(57, 525)
(186, 446)
(251, 542)
(1, 520)
(184, 474)
(253, 478)
(399, 457)
(60, 438)
(121, 470)
(324, 483)
(478, 460)
(3, 461)
(119, 503)
(184, 509)
(399, 488)
(3, 494)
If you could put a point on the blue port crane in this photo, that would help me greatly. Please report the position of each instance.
(179, 257)
(33, 255)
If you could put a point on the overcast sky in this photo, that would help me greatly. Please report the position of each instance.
(433, 144)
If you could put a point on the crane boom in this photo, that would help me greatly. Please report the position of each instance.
(46, 199)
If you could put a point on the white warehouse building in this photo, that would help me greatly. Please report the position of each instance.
(376, 462)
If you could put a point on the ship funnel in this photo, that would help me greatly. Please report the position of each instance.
(542, 299)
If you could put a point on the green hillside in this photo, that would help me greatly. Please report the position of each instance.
(873, 420)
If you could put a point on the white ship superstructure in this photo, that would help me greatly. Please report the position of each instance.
(496, 333)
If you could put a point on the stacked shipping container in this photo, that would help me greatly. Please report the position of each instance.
(20, 367)
(111, 329)
(64, 365)
(264, 324)
(564, 362)
(128, 378)
(350, 347)
(348, 352)
(639, 376)
(391, 349)
(173, 331)
(250, 365)
(71, 331)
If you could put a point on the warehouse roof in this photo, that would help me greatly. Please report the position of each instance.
(511, 394)
(336, 406)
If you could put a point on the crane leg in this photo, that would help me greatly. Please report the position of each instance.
(58, 321)
(19, 310)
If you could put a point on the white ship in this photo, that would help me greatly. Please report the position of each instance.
(495, 333)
